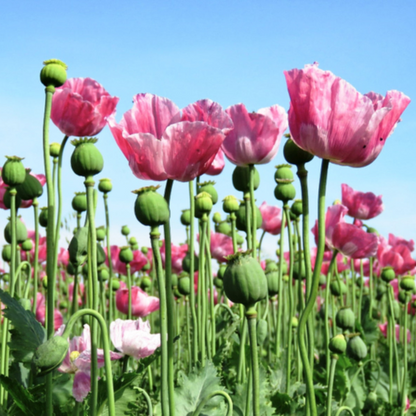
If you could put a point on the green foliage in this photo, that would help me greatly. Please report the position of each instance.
(27, 333)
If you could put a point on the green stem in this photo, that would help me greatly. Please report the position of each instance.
(203, 291)
(36, 258)
(148, 400)
(342, 408)
(260, 243)
(233, 232)
(251, 316)
(248, 221)
(253, 210)
(110, 263)
(331, 384)
(405, 369)
(209, 397)
(314, 289)
(360, 299)
(129, 314)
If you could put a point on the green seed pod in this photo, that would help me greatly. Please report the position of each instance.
(79, 202)
(345, 319)
(49, 355)
(271, 266)
(144, 250)
(403, 297)
(86, 159)
(125, 230)
(63, 305)
(146, 283)
(356, 348)
(6, 253)
(115, 285)
(5, 277)
(221, 271)
(262, 331)
(337, 289)
(54, 149)
(125, 255)
(186, 217)
(184, 285)
(371, 401)
(322, 280)
(53, 73)
(43, 217)
(396, 310)
(219, 284)
(105, 186)
(294, 154)
(45, 282)
(203, 204)
(209, 188)
(244, 280)
(151, 208)
(283, 172)
(407, 283)
(285, 192)
(241, 179)
(8, 202)
(186, 263)
(241, 221)
(295, 322)
(31, 187)
(299, 271)
(146, 267)
(240, 239)
(230, 204)
(273, 282)
(13, 173)
(321, 313)
(381, 290)
(174, 277)
(71, 269)
(217, 218)
(103, 274)
(27, 245)
(101, 257)
(21, 232)
(223, 227)
(388, 274)
(337, 344)
(78, 247)
(100, 232)
(297, 208)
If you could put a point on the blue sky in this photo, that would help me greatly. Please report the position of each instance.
(229, 51)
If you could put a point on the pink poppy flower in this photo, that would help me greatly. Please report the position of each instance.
(185, 144)
(221, 245)
(24, 204)
(138, 262)
(354, 242)
(272, 219)
(330, 119)
(141, 303)
(383, 329)
(256, 137)
(217, 166)
(341, 266)
(81, 107)
(363, 206)
(399, 257)
(366, 266)
(41, 312)
(63, 257)
(395, 241)
(178, 254)
(78, 362)
(80, 295)
(133, 338)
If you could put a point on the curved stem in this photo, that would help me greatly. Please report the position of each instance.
(314, 289)
(260, 243)
(148, 400)
(342, 408)
(209, 397)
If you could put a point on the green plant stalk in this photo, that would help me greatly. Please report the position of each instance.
(286, 214)
(129, 314)
(241, 358)
(248, 221)
(360, 299)
(209, 397)
(35, 205)
(233, 232)
(311, 402)
(334, 360)
(353, 286)
(110, 263)
(371, 288)
(50, 238)
(303, 178)
(29, 275)
(279, 323)
(106, 347)
(148, 400)
(342, 408)
(169, 301)
(188, 334)
(405, 369)
(164, 390)
(393, 335)
(93, 287)
(260, 243)
(253, 210)
(251, 316)
(204, 292)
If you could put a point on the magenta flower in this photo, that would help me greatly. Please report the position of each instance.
(256, 137)
(138, 262)
(363, 206)
(221, 245)
(178, 254)
(81, 107)
(133, 338)
(41, 312)
(383, 329)
(329, 118)
(272, 219)
(161, 143)
(78, 361)
(395, 241)
(141, 303)
(399, 257)
(217, 166)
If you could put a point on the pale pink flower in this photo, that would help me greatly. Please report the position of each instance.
(363, 206)
(383, 329)
(399, 257)
(138, 262)
(81, 107)
(41, 312)
(256, 137)
(272, 219)
(395, 241)
(221, 245)
(141, 303)
(133, 338)
(330, 119)
(178, 253)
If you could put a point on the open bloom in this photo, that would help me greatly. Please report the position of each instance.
(221, 245)
(41, 312)
(141, 303)
(256, 137)
(217, 165)
(363, 206)
(383, 329)
(271, 218)
(78, 361)
(398, 256)
(162, 143)
(330, 119)
(178, 253)
(138, 262)
(134, 338)
(81, 107)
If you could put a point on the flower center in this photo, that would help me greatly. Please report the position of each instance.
(74, 355)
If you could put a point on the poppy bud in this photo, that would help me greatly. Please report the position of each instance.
(103, 274)
(223, 227)
(357, 348)
(241, 221)
(186, 217)
(338, 289)
(53, 73)
(284, 192)
(43, 217)
(71, 269)
(146, 283)
(272, 277)
(54, 149)
(7, 199)
(151, 208)
(13, 173)
(105, 186)
(101, 257)
(86, 159)
(241, 179)
(221, 271)
(21, 232)
(388, 274)
(27, 245)
(230, 204)
(407, 283)
(345, 318)
(5, 277)
(219, 284)
(100, 233)
(338, 344)
(297, 207)
(262, 331)
(125, 255)
(295, 155)
(283, 172)
(49, 355)
(203, 204)
(78, 247)
(115, 285)
(79, 202)
(209, 188)
(144, 250)
(31, 187)
(184, 285)
(186, 262)
(217, 218)
(6, 253)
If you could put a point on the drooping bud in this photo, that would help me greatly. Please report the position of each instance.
(100, 233)
(186, 217)
(388, 274)
(338, 344)
(125, 255)
(43, 217)
(21, 231)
